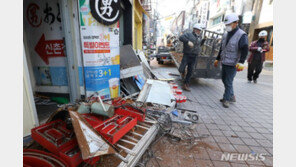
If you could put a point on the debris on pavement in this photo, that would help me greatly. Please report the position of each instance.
(99, 131)
(156, 92)
(43, 100)
(89, 140)
(173, 74)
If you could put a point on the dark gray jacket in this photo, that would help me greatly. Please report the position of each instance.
(242, 44)
(195, 39)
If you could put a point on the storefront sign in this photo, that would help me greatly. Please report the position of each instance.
(49, 48)
(44, 41)
(102, 79)
(106, 12)
(100, 49)
(33, 15)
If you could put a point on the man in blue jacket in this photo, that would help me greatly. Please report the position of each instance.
(192, 42)
(233, 53)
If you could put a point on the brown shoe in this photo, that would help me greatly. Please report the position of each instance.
(232, 100)
(186, 87)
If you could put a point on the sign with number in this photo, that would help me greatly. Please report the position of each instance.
(100, 49)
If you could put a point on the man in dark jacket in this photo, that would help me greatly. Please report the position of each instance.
(257, 57)
(233, 53)
(191, 47)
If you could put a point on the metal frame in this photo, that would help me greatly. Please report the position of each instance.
(71, 49)
(28, 85)
(140, 147)
(208, 55)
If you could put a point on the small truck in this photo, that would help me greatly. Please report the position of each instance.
(163, 55)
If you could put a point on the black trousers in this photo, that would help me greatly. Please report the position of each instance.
(254, 69)
(189, 61)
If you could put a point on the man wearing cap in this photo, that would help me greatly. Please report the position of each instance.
(232, 54)
(191, 48)
(257, 57)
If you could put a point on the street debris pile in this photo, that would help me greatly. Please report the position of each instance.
(115, 132)
(176, 135)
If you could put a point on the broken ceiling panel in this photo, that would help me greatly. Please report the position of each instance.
(130, 72)
(156, 92)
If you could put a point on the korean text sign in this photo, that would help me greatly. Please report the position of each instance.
(100, 44)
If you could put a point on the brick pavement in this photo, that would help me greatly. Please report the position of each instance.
(245, 127)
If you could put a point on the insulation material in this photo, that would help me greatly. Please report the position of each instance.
(89, 140)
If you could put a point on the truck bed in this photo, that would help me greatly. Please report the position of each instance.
(204, 67)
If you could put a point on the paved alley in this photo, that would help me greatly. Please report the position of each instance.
(245, 127)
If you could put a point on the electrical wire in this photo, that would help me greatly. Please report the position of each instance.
(166, 129)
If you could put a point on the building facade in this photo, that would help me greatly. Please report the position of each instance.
(73, 50)
(202, 12)
(220, 8)
(266, 23)
(138, 24)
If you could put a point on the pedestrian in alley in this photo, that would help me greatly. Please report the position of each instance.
(232, 54)
(192, 42)
(258, 49)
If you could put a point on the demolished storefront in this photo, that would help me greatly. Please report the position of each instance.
(82, 50)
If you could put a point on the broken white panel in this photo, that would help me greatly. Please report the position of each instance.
(130, 72)
(95, 144)
(89, 140)
(157, 92)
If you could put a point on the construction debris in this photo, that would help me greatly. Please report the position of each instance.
(89, 140)
(118, 131)
(157, 92)
(33, 157)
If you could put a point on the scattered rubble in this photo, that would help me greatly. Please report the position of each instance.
(117, 132)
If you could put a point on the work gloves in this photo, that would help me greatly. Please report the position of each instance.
(190, 44)
(239, 67)
(216, 63)
(259, 49)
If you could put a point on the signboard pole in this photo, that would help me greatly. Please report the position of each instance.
(71, 51)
